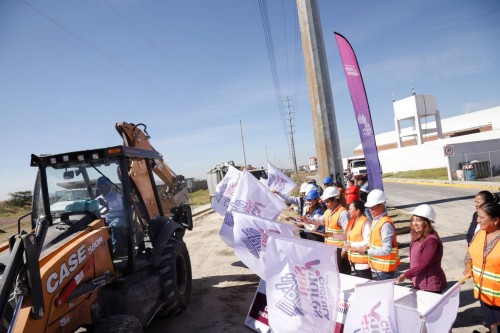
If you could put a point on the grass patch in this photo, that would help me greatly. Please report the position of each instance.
(9, 210)
(10, 229)
(199, 198)
(438, 173)
(401, 220)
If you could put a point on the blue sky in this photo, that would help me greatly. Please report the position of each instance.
(191, 70)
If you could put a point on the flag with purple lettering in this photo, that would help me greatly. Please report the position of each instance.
(250, 237)
(361, 111)
(371, 308)
(225, 190)
(252, 198)
(302, 284)
(278, 181)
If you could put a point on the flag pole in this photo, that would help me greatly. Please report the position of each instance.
(243, 144)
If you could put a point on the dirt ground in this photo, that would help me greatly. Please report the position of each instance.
(223, 288)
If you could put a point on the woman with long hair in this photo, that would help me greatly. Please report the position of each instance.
(483, 262)
(426, 252)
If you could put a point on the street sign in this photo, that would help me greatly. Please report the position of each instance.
(449, 150)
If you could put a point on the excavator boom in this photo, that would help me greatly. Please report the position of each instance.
(176, 192)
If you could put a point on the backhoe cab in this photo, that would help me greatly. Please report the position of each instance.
(110, 260)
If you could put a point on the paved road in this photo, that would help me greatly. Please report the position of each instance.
(454, 208)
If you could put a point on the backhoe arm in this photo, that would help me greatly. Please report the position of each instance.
(176, 193)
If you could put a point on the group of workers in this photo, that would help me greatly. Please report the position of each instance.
(338, 217)
(365, 238)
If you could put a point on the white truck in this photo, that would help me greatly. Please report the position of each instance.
(215, 175)
(355, 167)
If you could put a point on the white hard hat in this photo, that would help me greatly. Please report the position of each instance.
(309, 187)
(330, 192)
(425, 211)
(303, 188)
(375, 197)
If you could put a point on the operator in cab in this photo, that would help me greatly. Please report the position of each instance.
(112, 203)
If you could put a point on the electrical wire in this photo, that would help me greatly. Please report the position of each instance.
(123, 67)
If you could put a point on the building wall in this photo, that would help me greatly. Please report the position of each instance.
(431, 154)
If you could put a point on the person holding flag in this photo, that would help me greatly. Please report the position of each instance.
(313, 220)
(297, 201)
(336, 219)
(357, 235)
(383, 253)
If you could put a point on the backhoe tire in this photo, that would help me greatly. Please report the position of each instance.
(118, 324)
(175, 277)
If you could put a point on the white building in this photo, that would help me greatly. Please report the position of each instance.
(473, 136)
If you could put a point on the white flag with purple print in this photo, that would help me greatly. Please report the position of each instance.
(371, 308)
(225, 190)
(302, 285)
(252, 198)
(250, 238)
(279, 181)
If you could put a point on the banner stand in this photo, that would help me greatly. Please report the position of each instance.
(257, 315)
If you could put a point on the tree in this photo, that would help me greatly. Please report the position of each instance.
(21, 198)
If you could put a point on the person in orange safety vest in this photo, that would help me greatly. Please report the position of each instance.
(383, 253)
(483, 262)
(336, 220)
(358, 234)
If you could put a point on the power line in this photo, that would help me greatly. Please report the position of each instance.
(163, 55)
(112, 60)
(272, 62)
(286, 48)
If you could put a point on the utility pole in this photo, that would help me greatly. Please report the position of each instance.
(243, 144)
(267, 158)
(320, 93)
(294, 159)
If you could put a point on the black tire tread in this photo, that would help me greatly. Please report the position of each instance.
(176, 300)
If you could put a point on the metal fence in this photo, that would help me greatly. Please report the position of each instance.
(478, 166)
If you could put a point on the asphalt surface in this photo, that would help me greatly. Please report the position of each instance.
(454, 206)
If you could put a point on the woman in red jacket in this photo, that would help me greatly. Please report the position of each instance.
(351, 192)
(426, 252)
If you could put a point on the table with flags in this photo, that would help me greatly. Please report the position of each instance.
(301, 289)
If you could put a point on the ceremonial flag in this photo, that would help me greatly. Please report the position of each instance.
(371, 308)
(441, 316)
(252, 198)
(279, 181)
(264, 182)
(302, 284)
(250, 237)
(361, 111)
(225, 190)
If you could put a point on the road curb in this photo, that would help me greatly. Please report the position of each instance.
(198, 211)
(493, 186)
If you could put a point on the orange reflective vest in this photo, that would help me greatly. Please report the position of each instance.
(335, 235)
(354, 237)
(388, 262)
(485, 271)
